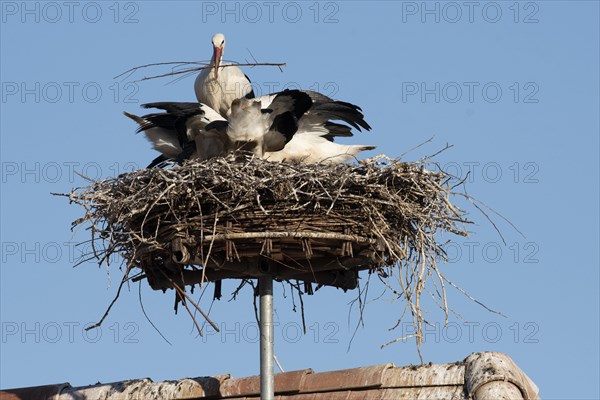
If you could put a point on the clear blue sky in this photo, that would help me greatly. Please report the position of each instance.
(513, 86)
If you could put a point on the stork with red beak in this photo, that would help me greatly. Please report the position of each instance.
(218, 86)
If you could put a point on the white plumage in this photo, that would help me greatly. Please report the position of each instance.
(312, 148)
(209, 143)
(180, 131)
(259, 129)
(163, 140)
(313, 140)
(219, 86)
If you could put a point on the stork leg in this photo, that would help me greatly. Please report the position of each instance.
(188, 149)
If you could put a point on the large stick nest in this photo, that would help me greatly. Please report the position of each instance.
(238, 217)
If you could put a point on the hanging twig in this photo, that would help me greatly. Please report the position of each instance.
(146, 315)
(97, 324)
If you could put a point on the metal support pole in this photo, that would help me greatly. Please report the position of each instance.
(265, 289)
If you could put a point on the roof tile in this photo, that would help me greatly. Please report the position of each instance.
(285, 382)
(426, 375)
(34, 392)
(356, 378)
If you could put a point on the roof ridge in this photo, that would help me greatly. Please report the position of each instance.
(478, 375)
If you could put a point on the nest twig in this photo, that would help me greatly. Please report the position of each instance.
(240, 217)
(190, 69)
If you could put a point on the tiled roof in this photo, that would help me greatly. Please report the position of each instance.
(480, 376)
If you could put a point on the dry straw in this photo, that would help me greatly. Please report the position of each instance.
(241, 216)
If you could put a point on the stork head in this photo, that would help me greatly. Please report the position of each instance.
(218, 42)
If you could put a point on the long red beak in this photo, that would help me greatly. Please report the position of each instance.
(217, 54)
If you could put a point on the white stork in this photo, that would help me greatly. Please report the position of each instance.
(313, 140)
(259, 130)
(290, 126)
(180, 132)
(219, 86)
